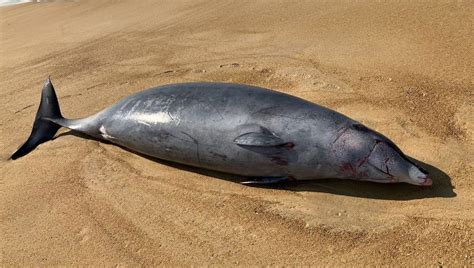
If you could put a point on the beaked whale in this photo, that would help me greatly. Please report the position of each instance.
(259, 133)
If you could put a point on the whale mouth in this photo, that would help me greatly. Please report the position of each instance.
(427, 182)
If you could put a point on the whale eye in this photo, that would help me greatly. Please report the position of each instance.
(360, 127)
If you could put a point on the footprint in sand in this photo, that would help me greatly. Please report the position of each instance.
(84, 235)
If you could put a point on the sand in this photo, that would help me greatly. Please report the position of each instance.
(404, 68)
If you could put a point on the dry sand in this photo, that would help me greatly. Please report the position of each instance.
(404, 68)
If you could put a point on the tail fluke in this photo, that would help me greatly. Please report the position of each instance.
(43, 129)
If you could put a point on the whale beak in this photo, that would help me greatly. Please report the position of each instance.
(419, 177)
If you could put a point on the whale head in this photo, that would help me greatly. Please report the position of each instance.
(387, 162)
(368, 155)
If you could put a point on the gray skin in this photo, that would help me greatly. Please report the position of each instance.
(250, 131)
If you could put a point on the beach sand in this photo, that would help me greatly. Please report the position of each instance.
(403, 68)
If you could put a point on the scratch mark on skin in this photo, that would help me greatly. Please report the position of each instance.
(348, 167)
(218, 112)
(217, 155)
(263, 109)
(174, 119)
(343, 129)
(386, 166)
(288, 145)
(179, 138)
(143, 122)
(167, 134)
(212, 107)
(197, 146)
(364, 160)
(279, 161)
(266, 111)
(384, 172)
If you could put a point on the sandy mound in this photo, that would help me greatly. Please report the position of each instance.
(403, 68)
